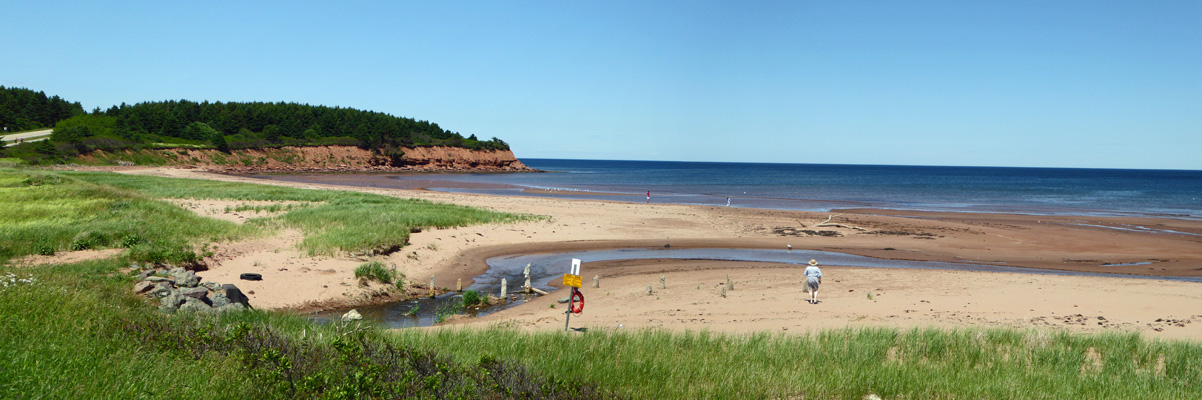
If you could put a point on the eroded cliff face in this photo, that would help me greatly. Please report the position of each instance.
(326, 159)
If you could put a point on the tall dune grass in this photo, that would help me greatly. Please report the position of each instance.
(47, 212)
(339, 221)
(999, 363)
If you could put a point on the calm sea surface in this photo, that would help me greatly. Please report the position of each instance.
(822, 187)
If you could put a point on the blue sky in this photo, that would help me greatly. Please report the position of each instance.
(1043, 83)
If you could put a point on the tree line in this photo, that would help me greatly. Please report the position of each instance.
(23, 109)
(221, 125)
(258, 124)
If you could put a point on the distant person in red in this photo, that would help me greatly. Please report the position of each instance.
(648, 196)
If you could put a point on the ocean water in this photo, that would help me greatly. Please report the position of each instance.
(823, 187)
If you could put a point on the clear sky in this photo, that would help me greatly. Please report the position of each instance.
(990, 83)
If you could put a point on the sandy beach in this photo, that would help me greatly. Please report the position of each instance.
(766, 296)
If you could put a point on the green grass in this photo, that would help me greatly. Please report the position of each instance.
(376, 271)
(64, 338)
(342, 222)
(46, 212)
(10, 162)
(77, 331)
(845, 363)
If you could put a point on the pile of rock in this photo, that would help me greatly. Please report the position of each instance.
(179, 289)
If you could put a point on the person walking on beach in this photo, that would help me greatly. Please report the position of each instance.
(728, 202)
(813, 279)
(648, 197)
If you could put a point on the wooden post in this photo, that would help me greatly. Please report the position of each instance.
(459, 285)
(724, 292)
(504, 283)
(431, 286)
(730, 284)
(527, 273)
(596, 281)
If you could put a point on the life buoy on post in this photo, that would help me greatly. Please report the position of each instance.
(577, 301)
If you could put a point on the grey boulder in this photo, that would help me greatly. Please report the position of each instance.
(198, 293)
(171, 303)
(194, 305)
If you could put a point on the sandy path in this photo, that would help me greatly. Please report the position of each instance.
(957, 297)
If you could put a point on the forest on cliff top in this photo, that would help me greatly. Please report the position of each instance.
(220, 125)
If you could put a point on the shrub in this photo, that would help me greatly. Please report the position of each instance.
(45, 249)
(470, 298)
(131, 240)
(163, 254)
(88, 240)
(375, 271)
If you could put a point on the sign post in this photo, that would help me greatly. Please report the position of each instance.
(572, 279)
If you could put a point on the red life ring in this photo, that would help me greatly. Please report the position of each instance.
(577, 301)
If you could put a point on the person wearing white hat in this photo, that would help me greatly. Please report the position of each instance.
(813, 279)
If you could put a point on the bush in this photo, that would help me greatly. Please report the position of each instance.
(375, 271)
(88, 240)
(350, 363)
(45, 250)
(471, 298)
(163, 254)
(131, 240)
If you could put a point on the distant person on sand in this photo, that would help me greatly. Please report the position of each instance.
(648, 196)
(813, 279)
(728, 202)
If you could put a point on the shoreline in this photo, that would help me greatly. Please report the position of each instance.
(429, 180)
(1017, 240)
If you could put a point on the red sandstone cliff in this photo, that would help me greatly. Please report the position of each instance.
(330, 158)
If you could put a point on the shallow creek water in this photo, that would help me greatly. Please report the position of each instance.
(548, 267)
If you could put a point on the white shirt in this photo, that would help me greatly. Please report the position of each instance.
(813, 272)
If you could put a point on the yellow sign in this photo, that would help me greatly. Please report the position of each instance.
(572, 280)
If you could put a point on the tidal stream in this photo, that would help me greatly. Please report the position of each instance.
(548, 267)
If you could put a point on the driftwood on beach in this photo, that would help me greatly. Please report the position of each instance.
(838, 225)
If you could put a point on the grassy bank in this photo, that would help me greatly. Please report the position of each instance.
(46, 213)
(848, 363)
(49, 212)
(77, 331)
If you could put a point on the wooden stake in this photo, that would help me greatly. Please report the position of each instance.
(527, 286)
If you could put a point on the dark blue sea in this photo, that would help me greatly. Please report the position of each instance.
(823, 187)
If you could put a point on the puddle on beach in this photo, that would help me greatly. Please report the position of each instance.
(548, 267)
